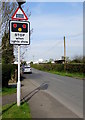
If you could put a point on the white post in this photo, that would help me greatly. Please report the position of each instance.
(18, 83)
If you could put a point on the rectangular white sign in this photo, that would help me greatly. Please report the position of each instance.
(20, 32)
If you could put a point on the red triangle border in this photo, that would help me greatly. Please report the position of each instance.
(19, 18)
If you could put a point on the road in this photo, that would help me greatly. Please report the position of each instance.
(66, 90)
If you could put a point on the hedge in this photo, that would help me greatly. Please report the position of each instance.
(7, 71)
(75, 68)
(71, 68)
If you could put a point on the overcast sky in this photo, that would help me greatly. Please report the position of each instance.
(52, 21)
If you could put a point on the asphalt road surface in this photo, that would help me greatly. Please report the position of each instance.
(66, 90)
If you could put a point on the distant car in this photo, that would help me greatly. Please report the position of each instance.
(27, 69)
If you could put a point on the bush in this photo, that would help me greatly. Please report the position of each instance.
(7, 71)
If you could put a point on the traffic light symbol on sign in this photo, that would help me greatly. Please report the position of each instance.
(19, 32)
(19, 27)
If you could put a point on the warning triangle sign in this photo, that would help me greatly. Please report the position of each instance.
(19, 14)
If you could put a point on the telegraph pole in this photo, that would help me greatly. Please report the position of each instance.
(64, 50)
(64, 55)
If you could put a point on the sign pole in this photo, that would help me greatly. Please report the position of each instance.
(18, 83)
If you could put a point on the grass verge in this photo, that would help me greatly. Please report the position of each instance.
(70, 70)
(74, 75)
(9, 90)
(13, 111)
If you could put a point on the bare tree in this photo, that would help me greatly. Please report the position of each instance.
(7, 11)
(77, 59)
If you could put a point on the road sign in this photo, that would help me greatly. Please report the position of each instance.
(19, 14)
(19, 32)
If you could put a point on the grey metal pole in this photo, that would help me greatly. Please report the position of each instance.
(18, 83)
(20, 2)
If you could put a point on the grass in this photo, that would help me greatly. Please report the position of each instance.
(13, 111)
(8, 91)
(74, 75)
